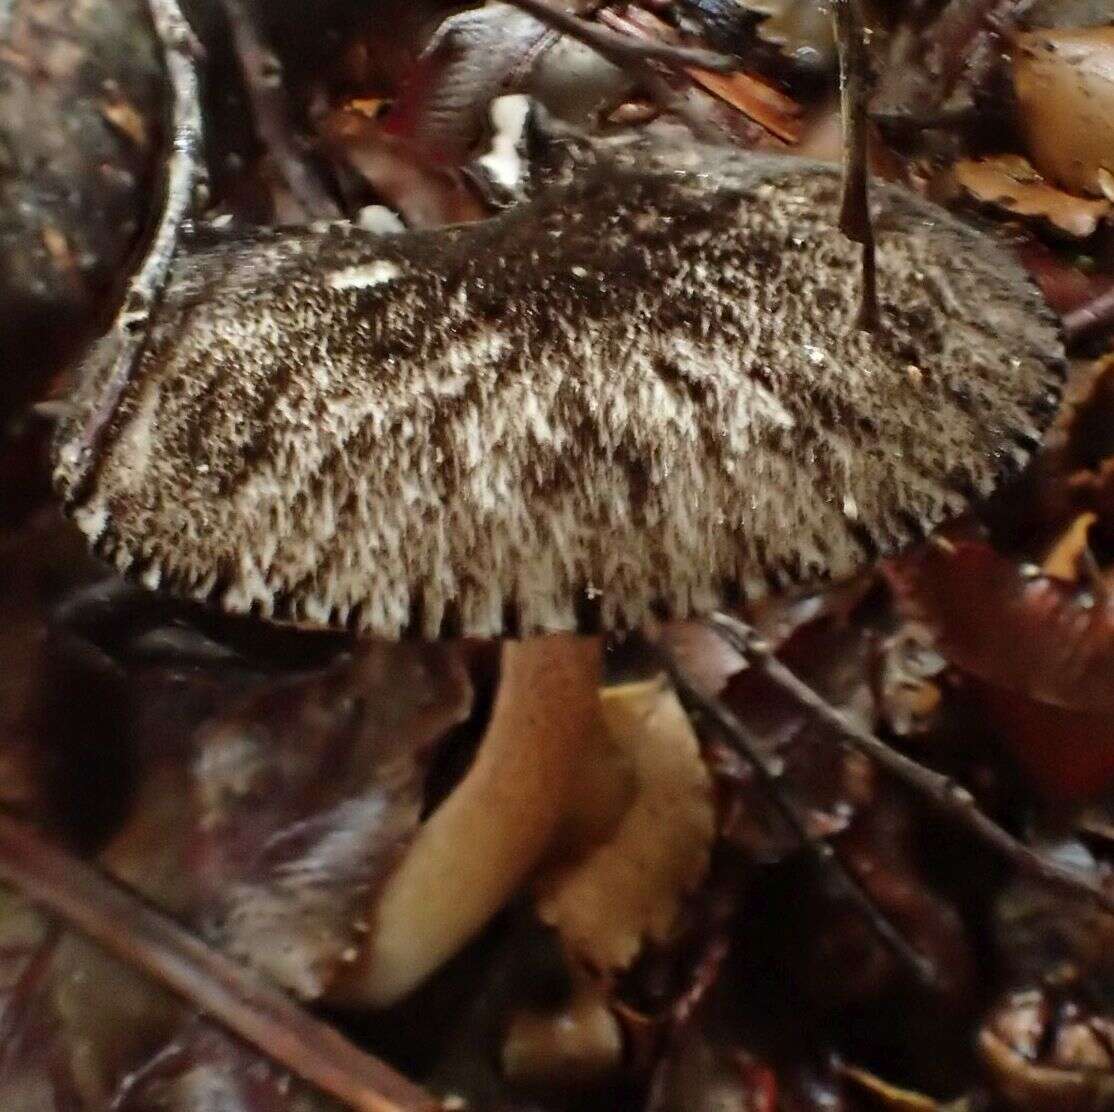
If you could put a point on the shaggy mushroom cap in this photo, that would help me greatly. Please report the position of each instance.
(642, 387)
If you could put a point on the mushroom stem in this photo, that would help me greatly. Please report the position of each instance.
(479, 846)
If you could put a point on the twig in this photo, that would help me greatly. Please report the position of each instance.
(229, 993)
(185, 176)
(263, 80)
(625, 50)
(951, 798)
(1092, 317)
(740, 737)
(854, 209)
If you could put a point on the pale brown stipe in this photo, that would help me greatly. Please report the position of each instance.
(481, 844)
(642, 383)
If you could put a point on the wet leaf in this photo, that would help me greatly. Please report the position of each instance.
(629, 888)
(202, 1069)
(1009, 183)
(306, 792)
(1064, 558)
(1064, 80)
(1040, 1056)
(1044, 650)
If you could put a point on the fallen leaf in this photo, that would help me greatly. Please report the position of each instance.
(427, 195)
(1035, 1060)
(306, 791)
(1008, 182)
(1064, 79)
(1011, 625)
(628, 889)
(801, 28)
(203, 1069)
(777, 113)
(1043, 651)
(1062, 561)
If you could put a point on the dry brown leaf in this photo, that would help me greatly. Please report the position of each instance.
(629, 888)
(1064, 80)
(1062, 561)
(776, 112)
(1009, 182)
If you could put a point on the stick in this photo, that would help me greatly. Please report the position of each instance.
(1092, 317)
(219, 987)
(263, 80)
(854, 209)
(740, 737)
(625, 50)
(949, 797)
(185, 175)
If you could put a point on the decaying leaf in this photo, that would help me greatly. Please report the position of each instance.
(1008, 182)
(1063, 559)
(202, 1069)
(307, 791)
(629, 888)
(1046, 1057)
(426, 194)
(1044, 650)
(1065, 88)
(801, 28)
(777, 113)
(1011, 627)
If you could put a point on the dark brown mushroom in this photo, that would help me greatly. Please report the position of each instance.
(640, 391)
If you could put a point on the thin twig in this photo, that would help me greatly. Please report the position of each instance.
(741, 738)
(1092, 317)
(185, 176)
(270, 108)
(951, 798)
(854, 210)
(219, 987)
(625, 50)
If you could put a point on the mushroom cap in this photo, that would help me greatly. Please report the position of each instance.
(642, 388)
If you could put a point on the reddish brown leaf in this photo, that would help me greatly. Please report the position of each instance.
(1044, 649)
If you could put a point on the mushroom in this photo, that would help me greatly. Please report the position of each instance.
(638, 392)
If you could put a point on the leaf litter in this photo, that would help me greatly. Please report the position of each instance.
(675, 950)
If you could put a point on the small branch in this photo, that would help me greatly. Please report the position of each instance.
(625, 50)
(828, 861)
(854, 211)
(219, 987)
(270, 108)
(185, 175)
(1094, 316)
(951, 798)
